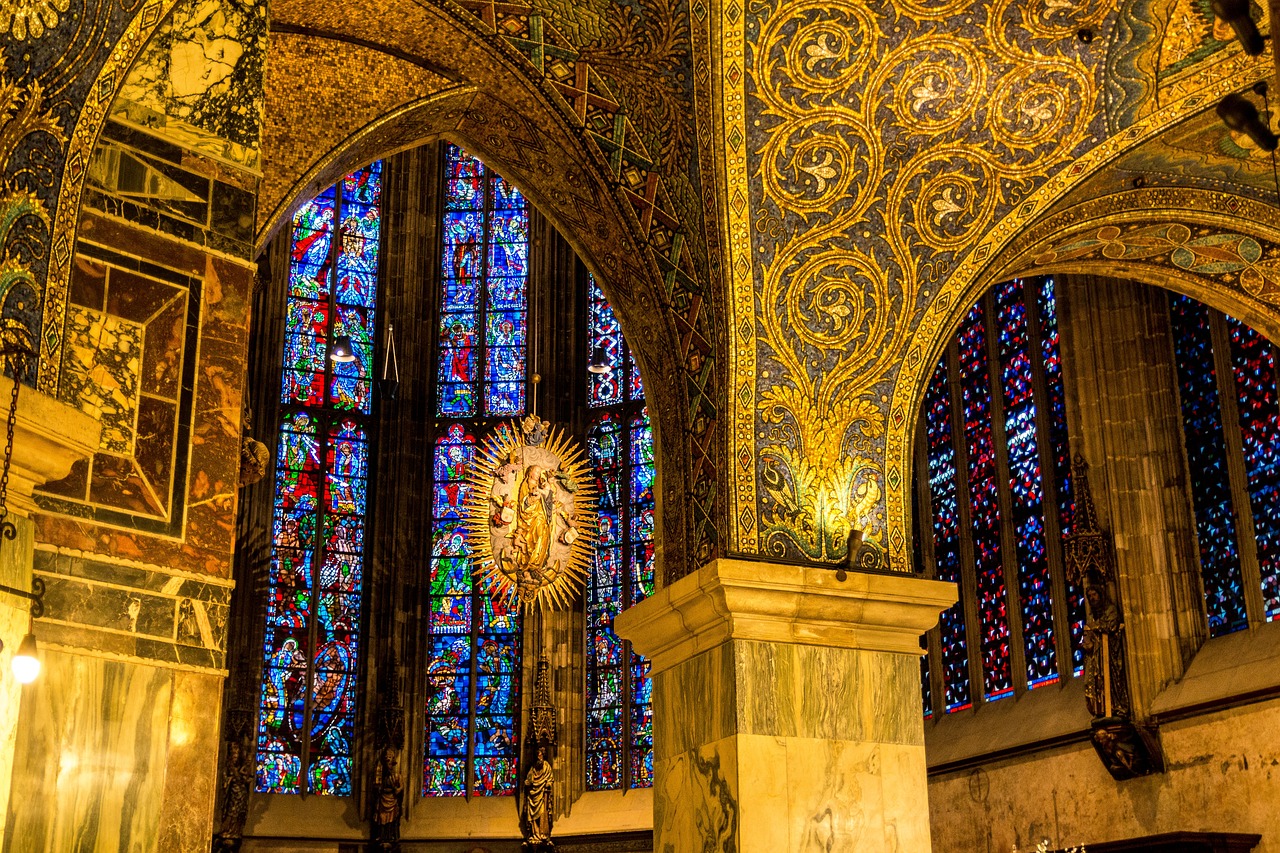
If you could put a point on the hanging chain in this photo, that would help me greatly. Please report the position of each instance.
(15, 356)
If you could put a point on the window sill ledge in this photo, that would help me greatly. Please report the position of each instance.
(1233, 670)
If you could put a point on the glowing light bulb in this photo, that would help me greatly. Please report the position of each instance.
(26, 666)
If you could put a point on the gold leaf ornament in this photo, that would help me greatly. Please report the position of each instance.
(531, 519)
(30, 18)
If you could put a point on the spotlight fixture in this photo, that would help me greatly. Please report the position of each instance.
(26, 666)
(1235, 13)
(341, 352)
(1240, 115)
(599, 363)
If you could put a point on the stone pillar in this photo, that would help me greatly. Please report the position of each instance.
(48, 438)
(1124, 418)
(787, 708)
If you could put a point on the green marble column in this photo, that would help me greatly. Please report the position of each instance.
(787, 708)
(48, 437)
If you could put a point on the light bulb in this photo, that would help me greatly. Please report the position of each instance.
(341, 351)
(26, 666)
(599, 362)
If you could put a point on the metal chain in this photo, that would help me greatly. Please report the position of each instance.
(17, 362)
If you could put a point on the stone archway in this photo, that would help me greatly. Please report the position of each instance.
(484, 100)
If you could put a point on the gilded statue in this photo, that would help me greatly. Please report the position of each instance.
(536, 807)
(531, 514)
(1106, 688)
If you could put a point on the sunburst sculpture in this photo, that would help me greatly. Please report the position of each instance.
(531, 519)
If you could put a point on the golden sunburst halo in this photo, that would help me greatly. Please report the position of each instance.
(531, 514)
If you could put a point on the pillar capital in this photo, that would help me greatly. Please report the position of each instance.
(786, 708)
(733, 599)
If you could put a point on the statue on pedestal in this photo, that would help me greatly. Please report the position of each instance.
(388, 793)
(537, 806)
(1126, 748)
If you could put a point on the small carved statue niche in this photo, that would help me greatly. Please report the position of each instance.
(537, 791)
(1127, 748)
(237, 782)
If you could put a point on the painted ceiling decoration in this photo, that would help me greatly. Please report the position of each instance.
(866, 169)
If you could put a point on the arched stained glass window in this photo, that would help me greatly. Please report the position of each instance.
(473, 666)
(306, 721)
(620, 446)
(1231, 423)
(996, 502)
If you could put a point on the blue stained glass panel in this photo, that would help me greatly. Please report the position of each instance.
(1207, 462)
(1253, 361)
(321, 487)
(946, 537)
(1026, 485)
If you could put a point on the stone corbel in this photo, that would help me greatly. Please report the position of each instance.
(49, 436)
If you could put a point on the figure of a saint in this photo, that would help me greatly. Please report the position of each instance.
(536, 808)
(1104, 663)
(389, 788)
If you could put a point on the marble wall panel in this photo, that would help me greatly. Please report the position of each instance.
(169, 503)
(789, 747)
(141, 314)
(133, 611)
(15, 571)
(1221, 776)
(90, 757)
(186, 811)
(198, 81)
(136, 177)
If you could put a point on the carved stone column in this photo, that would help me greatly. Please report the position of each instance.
(49, 437)
(787, 708)
(1124, 419)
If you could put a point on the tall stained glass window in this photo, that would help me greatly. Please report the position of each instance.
(997, 502)
(306, 720)
(473, 667)
(1231, 425)
(620, 446)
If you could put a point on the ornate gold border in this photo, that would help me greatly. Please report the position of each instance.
(74, 171)
(741, 324)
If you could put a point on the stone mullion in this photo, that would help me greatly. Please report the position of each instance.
(1008, 536)
(1049, 482)
(968, 586)
(399, 577)
(929, 559)
(1242, 507)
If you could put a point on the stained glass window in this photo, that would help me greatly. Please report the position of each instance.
(984, 507)
(1051, 359)
(946, 537)
(484, 310)
(620, 446)
(473, 667)
(1207, 463)
(997, 501)
(1253, 363)
(1026, 485)
(306, 722)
